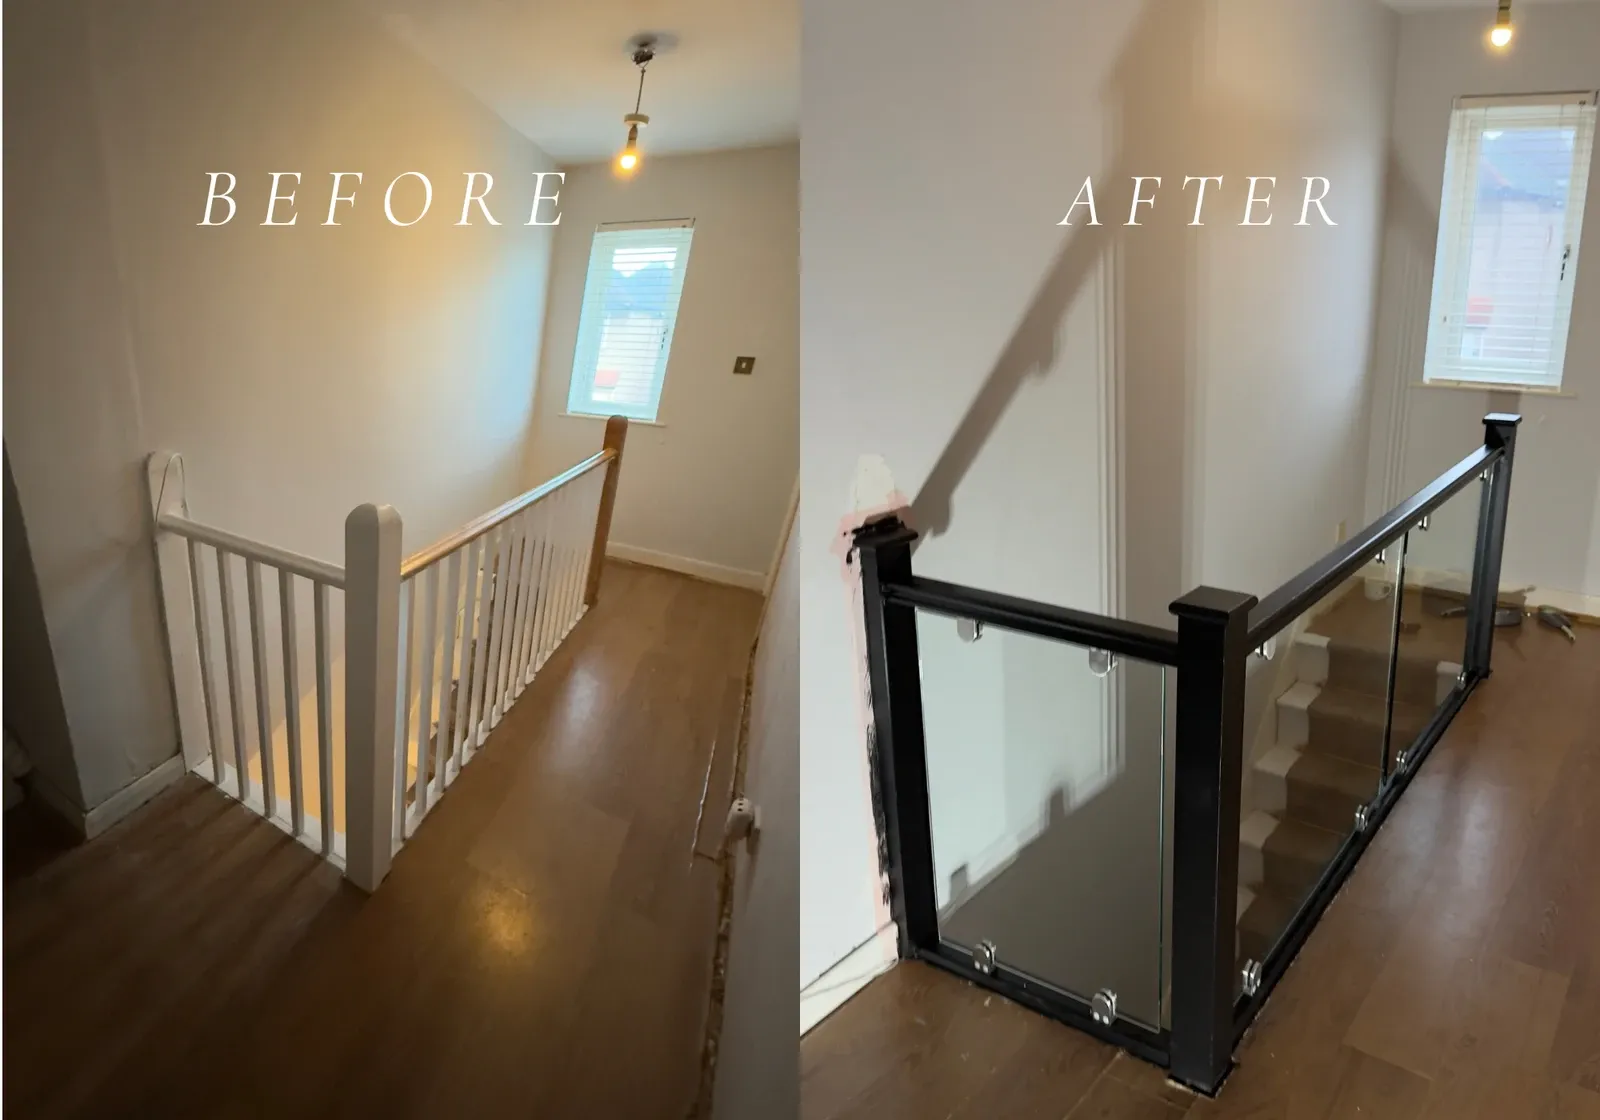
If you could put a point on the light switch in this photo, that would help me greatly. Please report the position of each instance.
(744, 365)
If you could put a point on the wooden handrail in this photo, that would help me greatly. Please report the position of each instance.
(478, 526)
(616, 436)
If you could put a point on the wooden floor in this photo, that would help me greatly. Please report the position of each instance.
(1456, 976)
(541, 949)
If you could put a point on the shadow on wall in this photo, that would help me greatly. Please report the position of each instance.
(1173, 112)
(1156, 76)
(1070, 884)
(1068, 880)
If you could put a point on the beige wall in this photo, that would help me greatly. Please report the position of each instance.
(1553, 535)
(707, 487)
(33, 711)
(301, 370)
(1098, 417)
(757, 1070)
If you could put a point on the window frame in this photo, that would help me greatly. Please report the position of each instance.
(586, 344)
(1450, 296)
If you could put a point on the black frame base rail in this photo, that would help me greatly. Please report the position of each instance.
(1207, 1005)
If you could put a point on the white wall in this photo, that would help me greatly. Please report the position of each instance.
(33, 711)
(301, 370)
(1098, 417)
(708, 485)
(757, 1069)
(1553, 536)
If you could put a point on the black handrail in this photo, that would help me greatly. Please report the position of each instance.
(1305, 590)
(1129, 639)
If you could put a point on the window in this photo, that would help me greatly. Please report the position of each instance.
(630, 304)
(1515, 178)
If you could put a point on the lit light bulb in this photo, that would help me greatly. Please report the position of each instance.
(1500, 37)
(628, 158)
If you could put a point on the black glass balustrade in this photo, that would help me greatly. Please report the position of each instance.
(1134, 828)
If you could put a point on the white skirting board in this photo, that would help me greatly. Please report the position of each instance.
(114, 808)
(716, 573)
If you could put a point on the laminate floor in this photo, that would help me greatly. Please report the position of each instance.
(541, 948)
(1455, 977)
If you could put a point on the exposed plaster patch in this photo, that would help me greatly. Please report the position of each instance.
(872, 497)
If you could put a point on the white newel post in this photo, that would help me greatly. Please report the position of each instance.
(164, 470)
(371, 643)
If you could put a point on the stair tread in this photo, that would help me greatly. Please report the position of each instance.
(1342, 703)
(1269, 912)
(1294, 839)
(1308, 767)
(1409, 652)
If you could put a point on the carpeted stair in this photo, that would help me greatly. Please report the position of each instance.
(1329, 747)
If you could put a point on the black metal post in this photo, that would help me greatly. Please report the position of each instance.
(899, 761)
(1499, 430)
(1213, 643)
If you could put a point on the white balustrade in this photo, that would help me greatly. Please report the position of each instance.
(361, 724)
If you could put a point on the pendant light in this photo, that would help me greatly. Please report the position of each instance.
(644, 49)
(1500, 35)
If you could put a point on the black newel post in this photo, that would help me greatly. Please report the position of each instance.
(899, 762)
(1213, 644)
(1499, 430)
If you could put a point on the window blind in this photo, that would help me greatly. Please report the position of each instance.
(630, 307)
(1515, 183)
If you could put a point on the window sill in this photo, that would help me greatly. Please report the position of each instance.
(602, 419)
(1495, 387)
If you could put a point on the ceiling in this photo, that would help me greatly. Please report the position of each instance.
(559, 70)
(1486, 5)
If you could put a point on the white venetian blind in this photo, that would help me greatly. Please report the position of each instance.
(1516, 175)
(630, 305)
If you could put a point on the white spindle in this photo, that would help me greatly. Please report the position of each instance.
(536, 593)
(540, 589)
(541, 596)
(569, 563)
(582, 535)
(508, 615)
(588, 508)
(291, 700)
(467, 667)
(452, 609)
(591, 515)
(530, 546)
(513, 672)
(497, 625)
(552, 578)
(319, 614)
(202, 633)
(371, 644)
(430, 604)
(402, 742)
(477, 723)
(575, 585)
(590, 520)
(258, 664)
(235, 701)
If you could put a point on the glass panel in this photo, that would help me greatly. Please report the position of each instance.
(1046, 777)
(1316, 710)
(1433, 614)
